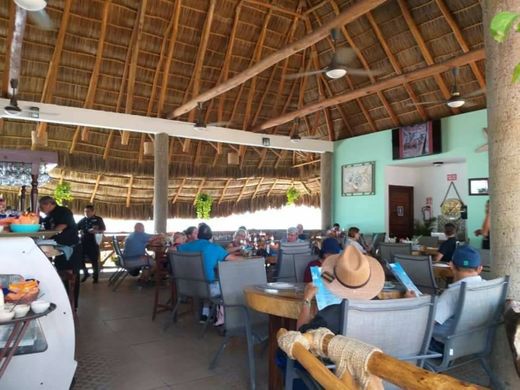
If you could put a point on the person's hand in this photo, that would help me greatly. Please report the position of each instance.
(478, 232)
(309, 292)
(410, 294)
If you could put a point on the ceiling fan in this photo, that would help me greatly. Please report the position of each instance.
(200, 124)
(13, 109)
(37, 13)
(338, 66)
(456, 99)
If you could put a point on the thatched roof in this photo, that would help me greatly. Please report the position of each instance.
(150, 57)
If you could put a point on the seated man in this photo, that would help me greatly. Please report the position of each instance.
(134, 252)
(353, 238)
(292, 236)
(447, 247)
(466, 267)
(301, 235)
(239, 240)
(329, 246)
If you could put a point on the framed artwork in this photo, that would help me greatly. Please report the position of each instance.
(478, 186)
(421, 139)
(358, 179)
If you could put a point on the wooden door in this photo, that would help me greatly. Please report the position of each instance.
(400, 211)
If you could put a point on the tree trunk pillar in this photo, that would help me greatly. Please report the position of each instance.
(503, 103)
(326, 190)
(160, 199)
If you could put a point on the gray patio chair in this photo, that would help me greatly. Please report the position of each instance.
(295, 247)
(383, 323)
(239, 320)
(300, 261)
(377, 239)
(419, 269)
(432, 242)
(388, 250)
(285, 265)
(478, 313)
(125, 268)
(190, 282)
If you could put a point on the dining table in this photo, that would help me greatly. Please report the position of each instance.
(283, 303)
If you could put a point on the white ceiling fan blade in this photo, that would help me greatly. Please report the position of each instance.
(42, 20)
(303, 74)
(475, 93)
(363, 72)
(426, 103)
(482, 148)
(469, 104)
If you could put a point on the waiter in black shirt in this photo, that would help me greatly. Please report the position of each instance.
(89, 226)
(60, 218)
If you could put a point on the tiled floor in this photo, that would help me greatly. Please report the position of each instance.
(119, 347)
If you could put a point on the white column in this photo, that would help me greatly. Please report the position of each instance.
(160, 183)
(326, 190)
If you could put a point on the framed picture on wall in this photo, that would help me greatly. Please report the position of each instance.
(358, 179)
(478, 186)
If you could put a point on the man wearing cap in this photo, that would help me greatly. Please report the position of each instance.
(348, 275)
(466, 267)
(329, 246)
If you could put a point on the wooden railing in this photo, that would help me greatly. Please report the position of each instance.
(385, 367)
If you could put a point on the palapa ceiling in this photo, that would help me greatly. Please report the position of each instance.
(148, 57)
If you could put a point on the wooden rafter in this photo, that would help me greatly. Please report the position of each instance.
(272, 187)
(395, 64)
(262, 159)
(256, 57)
(224, 191)
(307, 163)
(364, 62)
(169, 57)
(52, 71)
(129, 193)
(140, 159)
(198, 190)
(198, 152)
(108, 144)
(309, 192)
(242, 190)
(348, 15)
(179, 191)
(201, 54)
(257, 188)
(133, 67)
(424, 49)
(461, 40)
(92, 86)
(425, 72)
(93, 196)
(274, 8)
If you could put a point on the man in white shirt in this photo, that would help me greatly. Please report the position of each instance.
(466, 267)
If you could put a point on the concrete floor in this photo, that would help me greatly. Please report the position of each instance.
(119, 347)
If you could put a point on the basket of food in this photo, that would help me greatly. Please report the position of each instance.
(26, 223)
(24, 291)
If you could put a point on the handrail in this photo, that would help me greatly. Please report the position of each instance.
(388, 368)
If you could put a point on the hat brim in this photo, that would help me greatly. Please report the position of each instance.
(373, 287)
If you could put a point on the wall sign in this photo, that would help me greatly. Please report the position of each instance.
(452, 176)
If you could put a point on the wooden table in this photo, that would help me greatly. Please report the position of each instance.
(38, 234)
(283, 307)
(441, 271)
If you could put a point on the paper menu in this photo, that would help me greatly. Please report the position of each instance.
(324, 297)
(403, 277)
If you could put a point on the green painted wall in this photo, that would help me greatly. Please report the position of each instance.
(461, 135)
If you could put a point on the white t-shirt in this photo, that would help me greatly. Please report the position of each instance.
(447, 301)
(356, 245)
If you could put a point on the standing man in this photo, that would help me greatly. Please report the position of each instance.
(89, 226)
(60, 219)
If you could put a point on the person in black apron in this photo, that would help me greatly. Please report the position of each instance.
(89, 226)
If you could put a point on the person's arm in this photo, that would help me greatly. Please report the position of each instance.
(231, 256)
(306, 314)
(100, 227)
(438, 256)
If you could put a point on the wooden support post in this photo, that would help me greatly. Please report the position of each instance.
(160, 183)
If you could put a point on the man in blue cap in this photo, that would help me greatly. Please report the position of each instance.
(466, 267)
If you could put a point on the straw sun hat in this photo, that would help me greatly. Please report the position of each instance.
(354, 275)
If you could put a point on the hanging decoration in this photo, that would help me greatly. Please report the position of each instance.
(203, 204)
(62, 193)
(292, 195)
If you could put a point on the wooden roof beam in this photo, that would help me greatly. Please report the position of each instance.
(460, 39)
(395, 64)
(133, 66)
(242, 190)
(272, 187)
(224, 191)
(140, 159)
(307, 163)
(419, 74)
(98, 178)
(179, 191)
(424, 49)
(275, 8)
(52, 71)
(169, 56)
(257, 188)
(348, 15)
(92, 86)
(201, 54)
(129, 192)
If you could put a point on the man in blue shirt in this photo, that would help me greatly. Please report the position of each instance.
(135, 250)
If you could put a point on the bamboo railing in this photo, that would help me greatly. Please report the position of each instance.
(385, 367)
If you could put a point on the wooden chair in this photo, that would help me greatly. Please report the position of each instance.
(162, 273)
